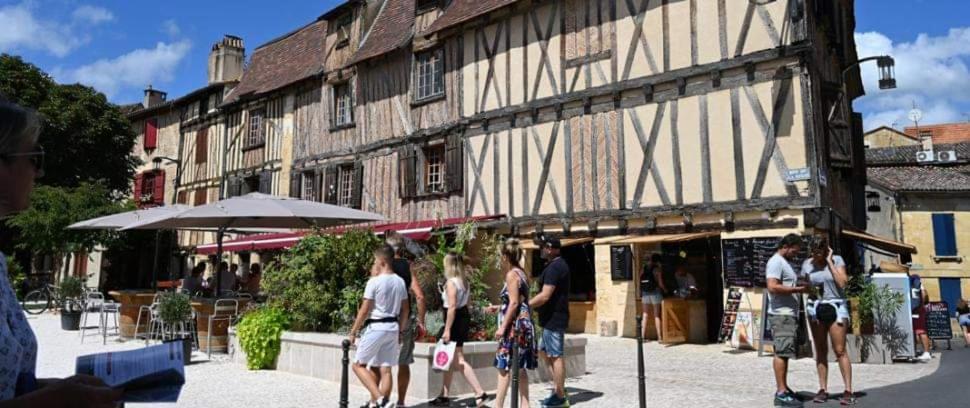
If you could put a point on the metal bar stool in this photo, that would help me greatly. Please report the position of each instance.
(225, 310)
(146, 310)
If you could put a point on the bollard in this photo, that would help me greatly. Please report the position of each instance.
(345, 363)
(515, 374)
(641, 370)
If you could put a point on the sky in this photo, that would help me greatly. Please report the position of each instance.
(119, 47)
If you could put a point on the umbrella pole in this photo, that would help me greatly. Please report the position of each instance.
(158, 240)
(218, 279)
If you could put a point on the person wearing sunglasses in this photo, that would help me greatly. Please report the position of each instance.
(21, 162)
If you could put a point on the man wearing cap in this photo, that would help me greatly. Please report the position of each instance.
(552, 303)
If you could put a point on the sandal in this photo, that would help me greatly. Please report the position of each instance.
(482, 399)
(441, 401)
(847, 399)
(821, 397)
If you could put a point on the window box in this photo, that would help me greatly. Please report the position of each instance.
(948, 259)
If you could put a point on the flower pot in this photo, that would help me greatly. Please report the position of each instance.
(186, 349)
(70, 320)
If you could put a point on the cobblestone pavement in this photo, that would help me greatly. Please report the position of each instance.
(678, 376)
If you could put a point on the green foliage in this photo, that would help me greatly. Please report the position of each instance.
(878, 303)
(319, 282)
(434, 322)
(17, 277)
(85, 137)
(259, 335)
(174, 307)
(43, 225)
(70, 291)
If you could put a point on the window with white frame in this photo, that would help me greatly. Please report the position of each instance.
(345, 185)
(309, 186)
(343, 105)
(434, 169)
(429, 74)
(256, 135)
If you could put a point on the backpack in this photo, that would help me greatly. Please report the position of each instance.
(648, 283)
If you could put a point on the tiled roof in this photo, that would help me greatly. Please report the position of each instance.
(907, 154)
(284, 61)
(943, 133)
(921, 178)
(392, 29)
(461, 11)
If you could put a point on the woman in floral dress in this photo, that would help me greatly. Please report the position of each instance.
(515, 326)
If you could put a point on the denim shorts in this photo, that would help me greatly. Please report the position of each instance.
(552, 342)
(965, 320)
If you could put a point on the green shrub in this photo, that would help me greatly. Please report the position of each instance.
(259, 335)
(174, 307)
(17, 277)
(319, 282)
(70, 292)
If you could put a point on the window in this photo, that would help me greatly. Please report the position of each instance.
(925, 134)
(342, 28)
(586, 36)
(201, 145)
(429, 74)
(345, 186)
(200, 197)
(257, 132)
(944, 235)
(147, 187)
(250, 185)
(309, 186)
(203, 106)
(424, 6)
(434, 169)
(343, 105)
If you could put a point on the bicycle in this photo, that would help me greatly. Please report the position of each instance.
(38, 301)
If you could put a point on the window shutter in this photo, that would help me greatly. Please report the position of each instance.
(318, 188)
(234, 187)
(200, 197)
(454, 167)
(944, 235)
(136, 191)
(182, 197)
(266, 182)
(355, 198)
(408, 169)
(158, 196)
(151, 134)
(330, 185)
(201, 145)
(295, 190)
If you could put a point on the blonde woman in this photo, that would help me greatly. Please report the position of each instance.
(457, 321)
(515, 327)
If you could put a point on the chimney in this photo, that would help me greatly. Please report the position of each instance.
(226, 59)
(153, 97)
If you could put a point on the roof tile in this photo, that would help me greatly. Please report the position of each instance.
(921, 178)
(392, 29)
(461, 11)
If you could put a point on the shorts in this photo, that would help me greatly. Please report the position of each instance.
(919, 321)
(460, 327)
(378, 349)
(783, 329)
(652, 298)
(964, 320)
(552, 342)
(406, 357)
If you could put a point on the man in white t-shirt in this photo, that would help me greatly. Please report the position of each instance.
(384, 310)
(783, 292)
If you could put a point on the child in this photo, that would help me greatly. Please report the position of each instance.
(383, 311)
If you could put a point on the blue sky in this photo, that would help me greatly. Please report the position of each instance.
(120, 46)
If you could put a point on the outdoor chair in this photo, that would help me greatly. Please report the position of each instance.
(94, 302)
(225, 310)
(146, 310)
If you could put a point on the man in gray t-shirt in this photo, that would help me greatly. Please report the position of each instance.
(783, 291)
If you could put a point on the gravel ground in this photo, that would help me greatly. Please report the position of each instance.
(685, 375)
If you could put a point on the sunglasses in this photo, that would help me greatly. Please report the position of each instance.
(35, 157)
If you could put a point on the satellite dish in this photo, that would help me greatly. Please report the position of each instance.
(915, 115)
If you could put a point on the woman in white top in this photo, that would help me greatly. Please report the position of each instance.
(457, 321)
(830, 319)
(21, 161)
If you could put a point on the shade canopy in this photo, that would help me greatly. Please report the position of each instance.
(124, 219)
(257, 210)
(885, 244)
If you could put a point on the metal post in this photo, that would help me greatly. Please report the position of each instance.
(158, 242)
(515, 373)
(641, 371)
(345, 363)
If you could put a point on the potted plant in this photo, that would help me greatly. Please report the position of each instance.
(70, 293)
(175, 308)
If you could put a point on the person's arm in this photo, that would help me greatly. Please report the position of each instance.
(658, 274)
(81, 391)
(777, 288)
(362, 313)
(418, 300)
(512, 283)
(543, 296)
(452, 294)
(838, 271)
(403, 318)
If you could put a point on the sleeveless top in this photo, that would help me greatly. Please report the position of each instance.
(462, 296)
(18, 346)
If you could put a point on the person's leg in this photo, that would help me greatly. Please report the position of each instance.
(523, 389)
(503, 385)
(386, 381)
(468, 371)
(966, 335)
(403, 380)
(405, 359)
(838, 334)
(368, 380)
(820, 335)
(658, 321)
(446, 377)
(559, 374)
(925, 340)
(644, 318)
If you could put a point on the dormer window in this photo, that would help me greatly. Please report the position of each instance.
(342, 28)
(424, 6)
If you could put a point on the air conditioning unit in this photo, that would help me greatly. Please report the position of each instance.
(925, 156)
(946, 156)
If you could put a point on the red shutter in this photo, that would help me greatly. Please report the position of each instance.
(202, 145)
(151, 133)
(136, 192)
(158, 196)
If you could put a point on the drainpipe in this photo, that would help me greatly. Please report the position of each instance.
(225, 153)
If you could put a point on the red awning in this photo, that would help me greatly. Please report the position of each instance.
(416, 230)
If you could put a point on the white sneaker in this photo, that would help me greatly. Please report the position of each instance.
(925, 356)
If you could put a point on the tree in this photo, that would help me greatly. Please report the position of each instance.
(86, 138)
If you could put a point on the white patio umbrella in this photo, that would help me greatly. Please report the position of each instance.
(257, 210)
(124, 219)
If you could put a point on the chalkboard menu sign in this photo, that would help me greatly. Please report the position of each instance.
(621, 262)
(938, 321)
(744, 260)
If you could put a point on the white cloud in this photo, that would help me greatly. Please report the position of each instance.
(171, 28)
(93, 15)
(135, 69)
(930, 71)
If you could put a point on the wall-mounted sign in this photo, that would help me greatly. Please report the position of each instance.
(801, 174)
(621, 262)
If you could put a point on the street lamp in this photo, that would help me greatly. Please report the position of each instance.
(887, 72)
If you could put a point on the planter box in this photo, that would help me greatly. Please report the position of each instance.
(877, 351)
(319, 355)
